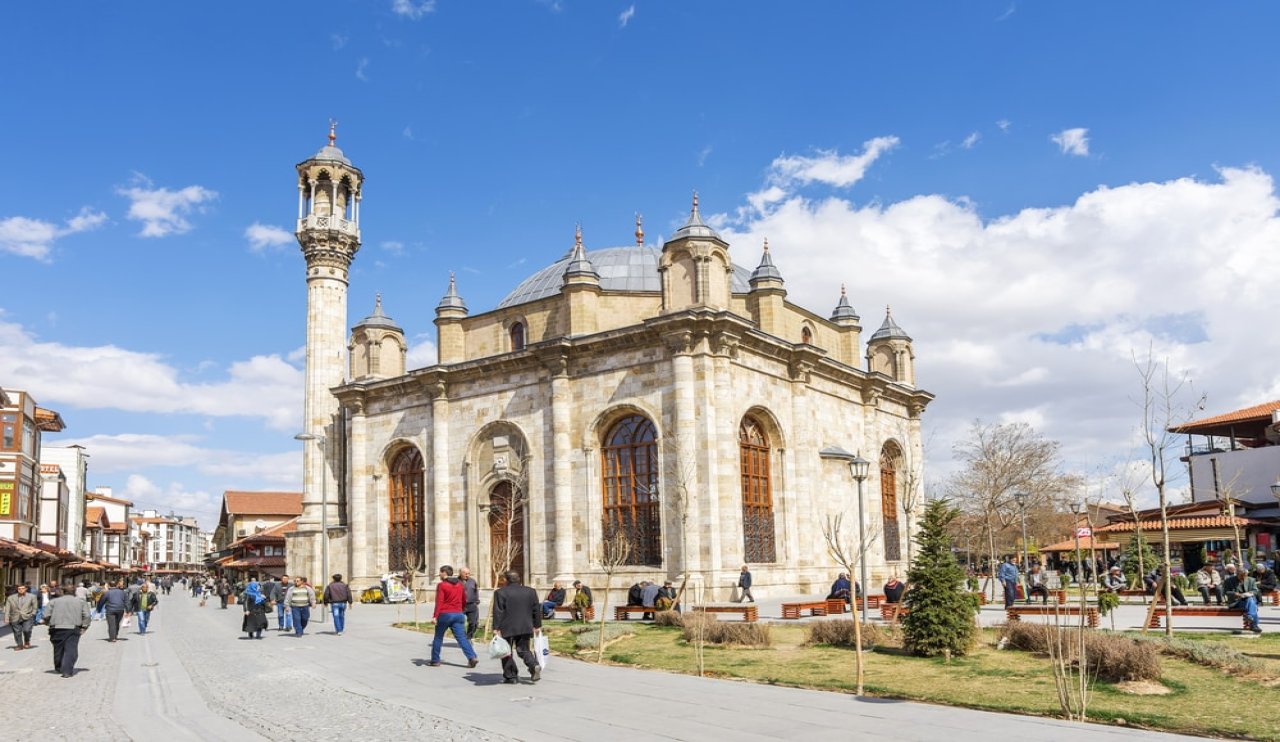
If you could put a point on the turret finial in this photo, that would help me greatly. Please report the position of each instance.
(695, 202)
(766, 245)
(888, 312)
(333, 132)
(639, 231)
(577, 235)
(377, 303)
(842, 293)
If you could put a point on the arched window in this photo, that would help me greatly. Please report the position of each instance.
(889, 458)
(629, 476)
(806, 336)
(405, 529)
(757, 496)
(517, 336)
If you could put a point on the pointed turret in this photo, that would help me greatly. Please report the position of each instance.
(377, 348)
(889, 351)
(581, 286)
(579, 269)
(843, 313)
(695, 266)
(766, 272)
(451, 301)
(450, 337)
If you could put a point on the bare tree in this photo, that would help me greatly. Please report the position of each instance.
(845, 549)
(507, 516)
(998, 462)
(912, 492)
(615, 550)
(1162, 410)
(1130, 483)
(682, 473)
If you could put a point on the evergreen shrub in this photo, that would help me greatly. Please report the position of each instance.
(940, 618)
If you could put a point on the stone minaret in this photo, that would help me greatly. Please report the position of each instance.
(329, 189)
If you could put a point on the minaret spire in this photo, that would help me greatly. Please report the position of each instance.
(639, 231)
(333, 133)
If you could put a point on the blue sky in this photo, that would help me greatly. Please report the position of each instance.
(1038, 190)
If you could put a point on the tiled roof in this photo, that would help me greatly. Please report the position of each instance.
(274, 534)
(1179, 524)
(1256, 413)
(262, 503)
(1086, 543)
(106, 498)
(94, 514)
(49, 421)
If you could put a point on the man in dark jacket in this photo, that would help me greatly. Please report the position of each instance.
(471, 601)
(114, 603)
(142, 604)
(337, 595)
(517, 615)
(68, 617)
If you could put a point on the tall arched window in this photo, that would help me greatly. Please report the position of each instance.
(757, 495)
(890, 456)
(629, 476)
(517, 336)
(405, 529)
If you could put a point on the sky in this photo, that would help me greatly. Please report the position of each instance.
(1039, 190)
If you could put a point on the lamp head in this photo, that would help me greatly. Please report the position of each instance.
(1021, 497)
(1275, 489)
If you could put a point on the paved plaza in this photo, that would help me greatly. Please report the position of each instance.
(194, 678)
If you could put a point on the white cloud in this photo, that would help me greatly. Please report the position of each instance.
(830, 167)
(703, 155)
(361, 66)
(1004, 124)
(1013, 7)
(263, 236)
(626, 16)
(422, 352)
(108, 377)
(412, 10)
(162, 211)
(338, 40)
(971, 141)
(34, 238)
(1039, 311)
(393, 246)
(408, 133)
(1072, 141)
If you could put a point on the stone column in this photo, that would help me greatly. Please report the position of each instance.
(802, 498)
(682, 445)
(441, 546)
(562, 449)
(362, 564)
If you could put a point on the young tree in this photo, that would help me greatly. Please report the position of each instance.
(1162, 409)
(999, 461)
(615, 550)
(1137, 554)
(940, 612)
(844, 547)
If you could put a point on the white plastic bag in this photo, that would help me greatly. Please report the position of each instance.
(124, 622)
(499, 648)
(541, 649)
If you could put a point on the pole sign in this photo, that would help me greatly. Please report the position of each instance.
(1084, 532)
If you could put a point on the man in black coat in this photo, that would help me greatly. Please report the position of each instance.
(517, 615)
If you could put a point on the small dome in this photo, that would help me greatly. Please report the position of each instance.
(330, 153)
(695, 227)
(766, 270)
(451, 300)
(889, 330)
(621, 269)
(843, 309)
(378, 319)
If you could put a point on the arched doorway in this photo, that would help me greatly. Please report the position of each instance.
(405, 533)
(506, 529)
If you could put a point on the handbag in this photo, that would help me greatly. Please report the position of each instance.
(124, 622)
(541, 649)
(499, 648)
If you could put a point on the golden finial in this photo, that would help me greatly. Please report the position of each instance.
(639, 230)
(450, 279)
(766, 245)
(577, 235)
(695, 202)
(333, 132)
(377, 302)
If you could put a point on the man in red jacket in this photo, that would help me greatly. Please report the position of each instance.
(450, 597)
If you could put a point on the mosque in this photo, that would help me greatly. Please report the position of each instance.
(658, 408)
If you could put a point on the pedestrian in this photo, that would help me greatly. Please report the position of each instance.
(1036, 585)
(114, 604)
(20, 613)
(284, 616)
(1008, 576)
(337, 595)
(894, 589)
(555, 599)
(255, 606)
(841, 589)
(471, 605)
(301, 599)
(517, 616)
(648, 597)
(744, 583)
(1209, 584)
(42, 600)
(582, 601)
(450, 597)
(224, 591)
(143, 603)
(68, 618)
(1242, 594)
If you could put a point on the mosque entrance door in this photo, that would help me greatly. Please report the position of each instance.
(506, 529)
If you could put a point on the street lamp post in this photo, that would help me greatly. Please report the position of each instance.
(1021, 497)
(858, 469)
(324, 508)
(1077, 508)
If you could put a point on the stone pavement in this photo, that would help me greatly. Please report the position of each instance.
(194, 678)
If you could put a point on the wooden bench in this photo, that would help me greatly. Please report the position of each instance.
(623, 612)
(982, 597)
(1274, 597)
(589, 612)
(892, 612)
(839, 606)
(1131, 593)
(750, 613)
(815, 608)
(1016, 612)
(836, 606)
(1195, 610)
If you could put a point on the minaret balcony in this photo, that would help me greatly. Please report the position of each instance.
(336, 224)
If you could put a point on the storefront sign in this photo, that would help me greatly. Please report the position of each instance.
(6, 499)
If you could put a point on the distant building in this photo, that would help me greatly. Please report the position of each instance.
(246, 513)
(21, 424)
(118, 548)
(73, 461)
(173, 543)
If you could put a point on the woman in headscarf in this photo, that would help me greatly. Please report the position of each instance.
(255, 610)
